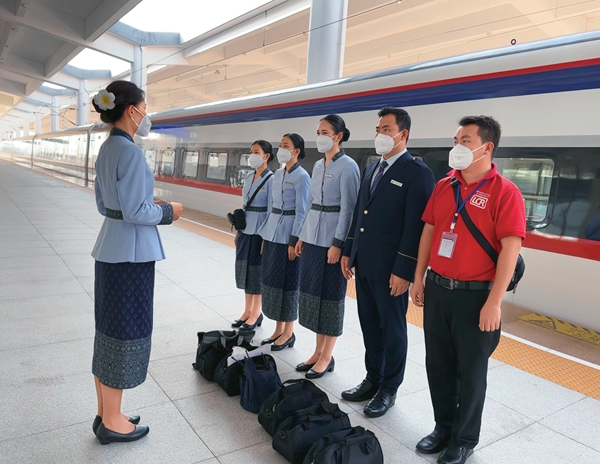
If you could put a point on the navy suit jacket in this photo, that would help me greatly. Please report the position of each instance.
(386, 226)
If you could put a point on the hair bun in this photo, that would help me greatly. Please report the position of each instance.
(346, 136)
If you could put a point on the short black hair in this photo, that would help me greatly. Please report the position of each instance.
(339, 125)
(298, 143)
(266, 147)
(126, 93)
(489, 129)
(402, 117)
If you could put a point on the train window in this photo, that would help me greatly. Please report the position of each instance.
(217, 166)
(150, 155)
(190, 163)
(166, 164)
(533, 177)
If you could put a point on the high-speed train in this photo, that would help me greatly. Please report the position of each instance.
(546, 96)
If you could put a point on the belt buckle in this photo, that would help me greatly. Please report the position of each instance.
(452, 284)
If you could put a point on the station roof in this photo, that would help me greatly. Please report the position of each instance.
(196, 53)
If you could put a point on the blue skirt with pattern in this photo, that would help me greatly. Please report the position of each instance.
(280, 278)
(123, 305)
(247, 262)
(322, 292)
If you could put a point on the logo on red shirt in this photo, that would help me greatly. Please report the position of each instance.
(480, 200)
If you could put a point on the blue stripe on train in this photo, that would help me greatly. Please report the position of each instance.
(561, 80)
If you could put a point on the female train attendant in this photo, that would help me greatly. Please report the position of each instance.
(280, 267)
(248, 242)
(333, 193)
(127, 247)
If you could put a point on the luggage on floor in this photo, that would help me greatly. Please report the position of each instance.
(216, 345)
(258, 381)
(350, 446)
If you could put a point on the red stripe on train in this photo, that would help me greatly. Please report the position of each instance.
(571, 246)
(201, 185)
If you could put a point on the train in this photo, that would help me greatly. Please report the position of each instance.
(542, 93)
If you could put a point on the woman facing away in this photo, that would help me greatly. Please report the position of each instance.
(125, 252)
(248, 242)
(333, 192)
(280, 273)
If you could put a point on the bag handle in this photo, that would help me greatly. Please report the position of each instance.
(479, 237)
(286, 394)
(256, 191)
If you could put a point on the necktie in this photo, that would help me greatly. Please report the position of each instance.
(379, 175)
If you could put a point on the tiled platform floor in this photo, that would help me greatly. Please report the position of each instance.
(47, 399)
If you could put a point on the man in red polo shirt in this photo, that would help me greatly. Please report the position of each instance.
(463, 289)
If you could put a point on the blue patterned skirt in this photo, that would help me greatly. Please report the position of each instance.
(247, 263)
(123, 305)
(322, 292)
(279, 283)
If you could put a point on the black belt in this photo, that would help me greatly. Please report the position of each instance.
(452, 284)
(257, 209)
(290, 212)
(114, 214)
(326, 209)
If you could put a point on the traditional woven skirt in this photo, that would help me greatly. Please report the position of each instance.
(322, 292)
(279, 283)
(247, 263)
(123, 307)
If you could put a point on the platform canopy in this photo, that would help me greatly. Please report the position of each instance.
(186, 52)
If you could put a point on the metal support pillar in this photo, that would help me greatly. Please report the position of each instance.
(83, 106)
(326, 40)
(55, 123)
(139, 70)
(38, 124)
(26, 129)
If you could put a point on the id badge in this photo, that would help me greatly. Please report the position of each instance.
(447, 244)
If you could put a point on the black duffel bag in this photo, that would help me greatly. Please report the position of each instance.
(298, 433)
(295, 395)
(215, 345)
(258, 381)
(351, 446)
(228, 377)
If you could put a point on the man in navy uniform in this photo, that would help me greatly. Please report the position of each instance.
(382, 246)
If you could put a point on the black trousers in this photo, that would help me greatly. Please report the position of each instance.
(457, 354)
(383, 323)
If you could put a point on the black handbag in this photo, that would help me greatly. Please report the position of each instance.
(351, 446)
(237, 219)
(258, 381)
(294, 395)
(228, 377)
(298, 433)
(214, 346)
(486, 245)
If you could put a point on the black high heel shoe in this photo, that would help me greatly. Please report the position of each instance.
(303, 367)
(238, 323)
(246, 327)
(289, 343)
(317, 375)
(269, 340)
(98, 420)
(106, 436)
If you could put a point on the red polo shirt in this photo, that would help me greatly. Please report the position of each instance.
(498, 211)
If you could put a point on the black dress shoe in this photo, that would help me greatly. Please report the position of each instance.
(317, 375)
(455, 455)
(268, 341)
(246, 327)
(98, 420)
(106, 436)
(303, 367)
(290, 342)
(380, 404)
(434, 442)
(365, 391)
(238, 323)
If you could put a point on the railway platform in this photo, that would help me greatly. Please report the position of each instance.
(543, 399)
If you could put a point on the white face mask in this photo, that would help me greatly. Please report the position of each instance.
(324, 143)
(255, 161)
(384, 143)
(144, 125)
(284, 155)
(461, 157)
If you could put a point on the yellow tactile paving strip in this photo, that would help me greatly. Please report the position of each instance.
(572, 330)
(569, 374)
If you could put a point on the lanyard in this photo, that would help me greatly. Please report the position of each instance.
(459, 208)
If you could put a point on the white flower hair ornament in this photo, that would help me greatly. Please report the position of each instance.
(105, 100)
